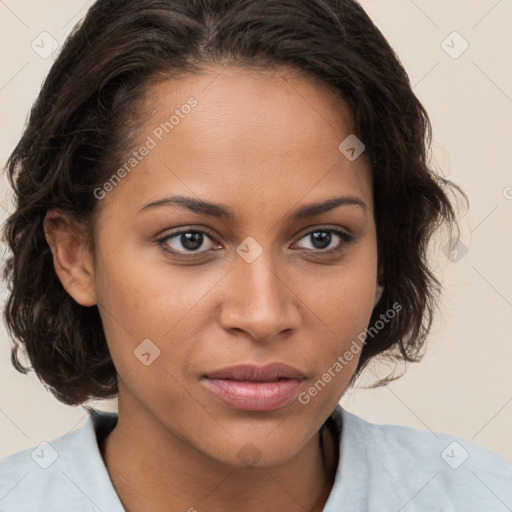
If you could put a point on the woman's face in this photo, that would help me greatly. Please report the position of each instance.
(242, 157)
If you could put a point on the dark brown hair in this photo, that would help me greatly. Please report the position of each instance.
(85, 117)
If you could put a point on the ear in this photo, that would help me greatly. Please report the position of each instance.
(71, 257)
(378, 294)
(380, 287)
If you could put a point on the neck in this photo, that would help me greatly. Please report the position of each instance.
(152, 469)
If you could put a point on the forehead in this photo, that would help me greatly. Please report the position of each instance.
(277, 109)
(258, 136)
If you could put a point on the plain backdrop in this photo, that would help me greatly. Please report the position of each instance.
(463, 386)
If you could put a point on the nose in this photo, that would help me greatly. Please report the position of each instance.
(259, 300)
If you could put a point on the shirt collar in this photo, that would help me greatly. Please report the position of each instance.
(98, 486)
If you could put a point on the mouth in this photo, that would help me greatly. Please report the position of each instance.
(255, 388)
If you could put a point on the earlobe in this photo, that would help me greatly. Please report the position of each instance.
(380, 287)
(378, 294)
(71, 257)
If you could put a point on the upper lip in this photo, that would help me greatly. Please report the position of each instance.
(250, 372)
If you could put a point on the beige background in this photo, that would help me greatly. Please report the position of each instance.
(463, 386)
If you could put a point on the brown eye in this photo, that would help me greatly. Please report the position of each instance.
(188, 241)
(327, 240)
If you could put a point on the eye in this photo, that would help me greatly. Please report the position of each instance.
(192, 242)
(327, 240)
(188, 241)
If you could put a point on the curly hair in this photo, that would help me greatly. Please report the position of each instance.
(85, 118)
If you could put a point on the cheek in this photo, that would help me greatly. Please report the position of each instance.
(150, 300)
(344, 304)
(345, 296)
(146, 294)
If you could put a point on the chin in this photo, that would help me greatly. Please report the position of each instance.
(257, 451)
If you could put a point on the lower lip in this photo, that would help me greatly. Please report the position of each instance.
(254, 396)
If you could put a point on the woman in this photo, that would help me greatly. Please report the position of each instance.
(223, 214)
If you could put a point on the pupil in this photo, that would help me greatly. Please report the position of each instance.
(323, 237)
(192, 240)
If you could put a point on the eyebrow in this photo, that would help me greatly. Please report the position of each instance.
(217, 210)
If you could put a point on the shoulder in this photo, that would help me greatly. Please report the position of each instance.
(63, 474)
(424, 445)
(432, 468)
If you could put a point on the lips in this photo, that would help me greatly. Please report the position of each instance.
(255, 388)
(269, 373)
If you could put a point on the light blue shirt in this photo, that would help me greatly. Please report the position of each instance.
(382, 468)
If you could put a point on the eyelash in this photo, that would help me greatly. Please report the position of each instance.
(346, 239)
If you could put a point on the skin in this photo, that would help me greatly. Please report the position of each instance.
(262, 143)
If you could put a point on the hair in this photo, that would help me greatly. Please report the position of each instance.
(85, 119)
